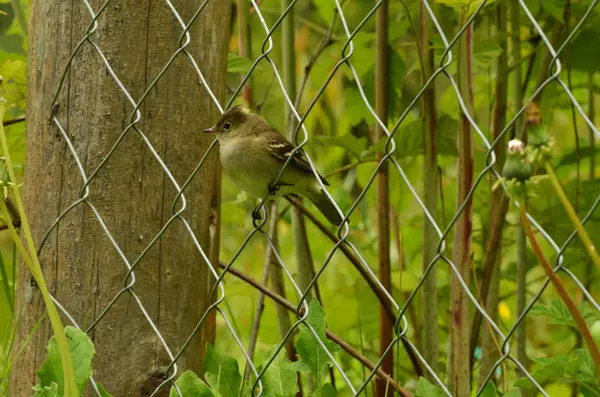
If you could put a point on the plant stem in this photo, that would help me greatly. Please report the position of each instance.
(517, 79)
(245, 43)
(490, 277)
(562, 292)
(31, 259)
(304, 260)
(260, 304)
(285, 304)
(6, 123)
(364, 274)
(459, 361)
(20, 14)
(386, 327)
(592, 116)
(521, 296)
(429, 297)
(583, 235)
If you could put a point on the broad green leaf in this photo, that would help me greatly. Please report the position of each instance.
(222, 372)
(280, 378)
(349, 142)
(14, 73)
(46, 391)
(489, 390)
(309, 350)
(426, 389)
(103, 391)
(397, 69)
(560, 315)
(326, 10)
(326, 391)
(550, 368)
(190, 385)
(556, 8)
(356, 111)
(513, 393)
(557, 311)
(585, 371)
(238, 64)
(570, 157)
(464, 7)
(580, 52)
(410, 140)
(82, 351)
(486, 51)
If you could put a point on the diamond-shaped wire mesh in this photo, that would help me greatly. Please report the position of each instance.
(345, 61)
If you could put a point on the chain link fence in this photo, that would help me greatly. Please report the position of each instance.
(345, 61)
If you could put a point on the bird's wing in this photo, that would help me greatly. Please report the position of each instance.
(280, 148)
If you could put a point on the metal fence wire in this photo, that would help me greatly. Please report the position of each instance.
(345, 61)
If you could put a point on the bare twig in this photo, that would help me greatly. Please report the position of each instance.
(562, 292)
(6, 123)
(337, 339)
(365, 275)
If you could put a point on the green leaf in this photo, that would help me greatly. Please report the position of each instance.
(557, 311)
(410, 140)
(309, 350)
(349, 142)
(103, 391)
(46, 391)
(464, 7)
(280, 377)
(190, 385)
(325, 9)
(560, 315)
(585, 371)
(238, 64)
(397, 73)
(550, 368)
(489, 390)
(486, 51)
(326, 391)
(580, 51)
(222, 372)
(426, 389)
(82, 351)
(513, 393)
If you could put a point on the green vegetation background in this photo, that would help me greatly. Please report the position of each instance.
(338, 128)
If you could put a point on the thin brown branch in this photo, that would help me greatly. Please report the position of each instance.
(562, 292)
(365, 275)
(337, 339)
(6, 123)
(382, 69)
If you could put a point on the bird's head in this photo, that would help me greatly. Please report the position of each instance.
(233, 123)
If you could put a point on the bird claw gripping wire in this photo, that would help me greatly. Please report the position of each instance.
(256, 214)
(273, 189)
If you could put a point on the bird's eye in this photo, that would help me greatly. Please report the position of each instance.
(227, 125)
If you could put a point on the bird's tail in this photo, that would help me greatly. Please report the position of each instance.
(323, 204)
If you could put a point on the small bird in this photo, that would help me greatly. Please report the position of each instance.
(252, 153)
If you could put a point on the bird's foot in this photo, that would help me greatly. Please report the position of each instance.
(273, 189)
(256, 215)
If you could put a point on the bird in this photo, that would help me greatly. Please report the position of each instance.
(252, 153)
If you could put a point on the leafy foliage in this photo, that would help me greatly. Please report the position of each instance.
(51, 372)
(222, 372)
(559, 314)
(313, 357)
(190, 385)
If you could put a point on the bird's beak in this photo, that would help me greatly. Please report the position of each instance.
(209, 130)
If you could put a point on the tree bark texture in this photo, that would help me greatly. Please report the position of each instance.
(131, 191)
